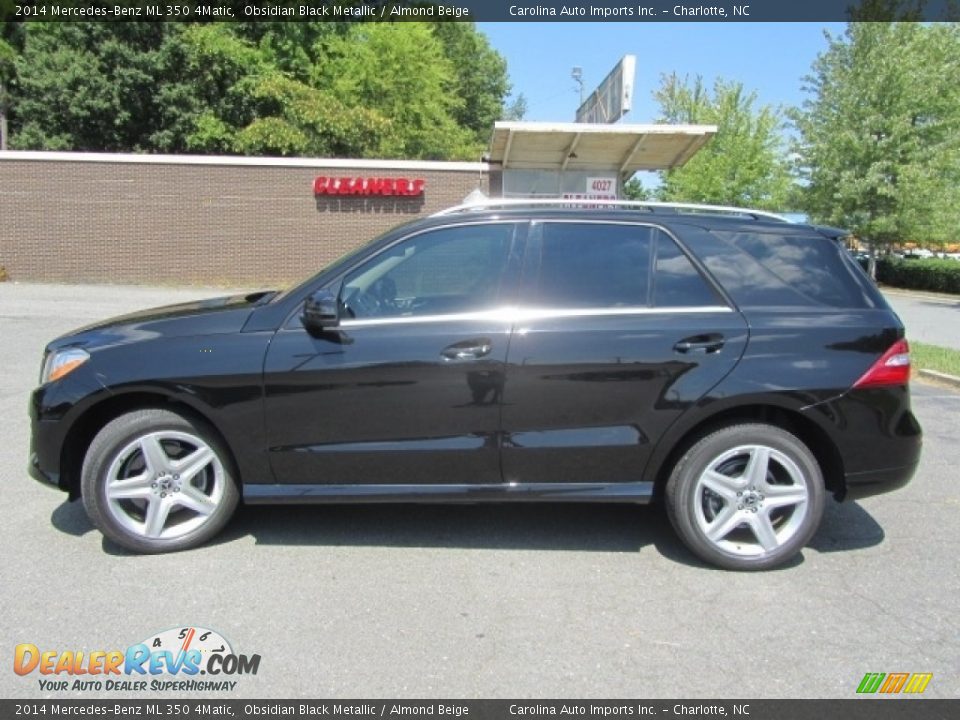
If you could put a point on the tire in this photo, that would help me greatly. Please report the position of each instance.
(155, 481)
(746, 497)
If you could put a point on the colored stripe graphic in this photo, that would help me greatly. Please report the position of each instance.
(918, 682)
(870, 682)
(894, 682)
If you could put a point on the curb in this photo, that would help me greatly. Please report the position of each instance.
(944, 298)
(941, 377)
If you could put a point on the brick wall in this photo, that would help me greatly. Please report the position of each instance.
(65, 218)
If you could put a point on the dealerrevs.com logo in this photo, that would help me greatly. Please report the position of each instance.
(177, 660)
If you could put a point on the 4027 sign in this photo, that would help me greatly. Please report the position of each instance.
(602, 188)
(178, 659)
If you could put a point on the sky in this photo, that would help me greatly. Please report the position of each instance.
(769, 58)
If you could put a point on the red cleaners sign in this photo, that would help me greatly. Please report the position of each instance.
(368, 186)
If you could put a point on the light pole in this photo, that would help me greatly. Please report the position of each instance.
(577, 75)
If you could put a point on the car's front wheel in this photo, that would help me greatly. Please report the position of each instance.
(746, 497)
(155, 481)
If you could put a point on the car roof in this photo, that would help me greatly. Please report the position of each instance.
(704, 219)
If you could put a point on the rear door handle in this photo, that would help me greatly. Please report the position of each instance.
(708, 344)
(467, 350)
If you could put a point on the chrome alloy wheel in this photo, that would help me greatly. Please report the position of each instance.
(164, 485)
(750, 500)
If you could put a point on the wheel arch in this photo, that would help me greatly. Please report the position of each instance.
(94, 418)
(791, 420)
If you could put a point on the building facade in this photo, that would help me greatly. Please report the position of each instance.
(147, 219)
(259, 222)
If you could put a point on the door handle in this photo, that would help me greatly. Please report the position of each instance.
(467, 350)
(707, 344)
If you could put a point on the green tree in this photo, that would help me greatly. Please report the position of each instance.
(293, 118)
(88, 86)
(11, 45)
(400, 71)
(349, 89)
(516, 109)
(480, 77)
(199, 95)
(633, 189)
(8, 57)
(879, 135)
(744, 164)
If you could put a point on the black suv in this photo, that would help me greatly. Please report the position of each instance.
(733, 365)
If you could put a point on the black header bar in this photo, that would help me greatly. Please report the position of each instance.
(478, 10)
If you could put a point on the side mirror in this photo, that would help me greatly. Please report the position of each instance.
(320, 312)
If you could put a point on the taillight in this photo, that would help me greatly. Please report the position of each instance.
(893, 368)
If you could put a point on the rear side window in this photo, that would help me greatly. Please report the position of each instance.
(676, 282)
(789, 269)
(597, 265)
(594, 265)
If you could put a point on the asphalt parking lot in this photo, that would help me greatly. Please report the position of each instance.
(480, 601)
(929, 318)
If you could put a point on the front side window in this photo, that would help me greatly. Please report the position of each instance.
(440, 272)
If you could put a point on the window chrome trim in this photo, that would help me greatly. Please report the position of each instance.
(511, 315)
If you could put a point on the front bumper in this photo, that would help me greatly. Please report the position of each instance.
(46, 444)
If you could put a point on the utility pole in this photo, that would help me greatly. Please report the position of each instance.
(577, 75)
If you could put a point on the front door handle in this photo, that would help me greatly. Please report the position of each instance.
(708, 344)
(468, 349)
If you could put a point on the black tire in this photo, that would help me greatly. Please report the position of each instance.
(701, 506)
(120, 454)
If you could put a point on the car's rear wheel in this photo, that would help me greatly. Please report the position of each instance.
(746, 497)
(156, 481)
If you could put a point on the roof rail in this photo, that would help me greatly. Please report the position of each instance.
(591, 202)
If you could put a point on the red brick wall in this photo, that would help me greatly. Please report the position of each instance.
(63, 220)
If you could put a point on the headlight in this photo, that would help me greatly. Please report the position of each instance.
(62, 362)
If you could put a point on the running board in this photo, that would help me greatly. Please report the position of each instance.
(636, 492)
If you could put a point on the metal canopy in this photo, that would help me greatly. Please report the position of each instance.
(625, 149)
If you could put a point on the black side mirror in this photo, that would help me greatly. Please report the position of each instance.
(320, 312)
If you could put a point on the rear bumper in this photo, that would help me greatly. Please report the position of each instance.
(877, 437)
(865, 484)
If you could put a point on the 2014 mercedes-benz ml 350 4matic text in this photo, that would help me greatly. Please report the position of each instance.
(738, 367)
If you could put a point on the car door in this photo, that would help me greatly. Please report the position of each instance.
(620, 334)
(407, 390)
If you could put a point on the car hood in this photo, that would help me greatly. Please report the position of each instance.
(214, 316)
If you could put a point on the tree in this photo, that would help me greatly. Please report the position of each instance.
(400, 71)
(879, 135)
(516, 109)
(418, 90)
(11, 44)
(7, 64)
(744, 164)
(633, 189)
(88, 86)
(480, 76)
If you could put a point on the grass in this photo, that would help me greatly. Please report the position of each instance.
(933, 357)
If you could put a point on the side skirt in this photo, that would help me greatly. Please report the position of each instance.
(631, 492)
